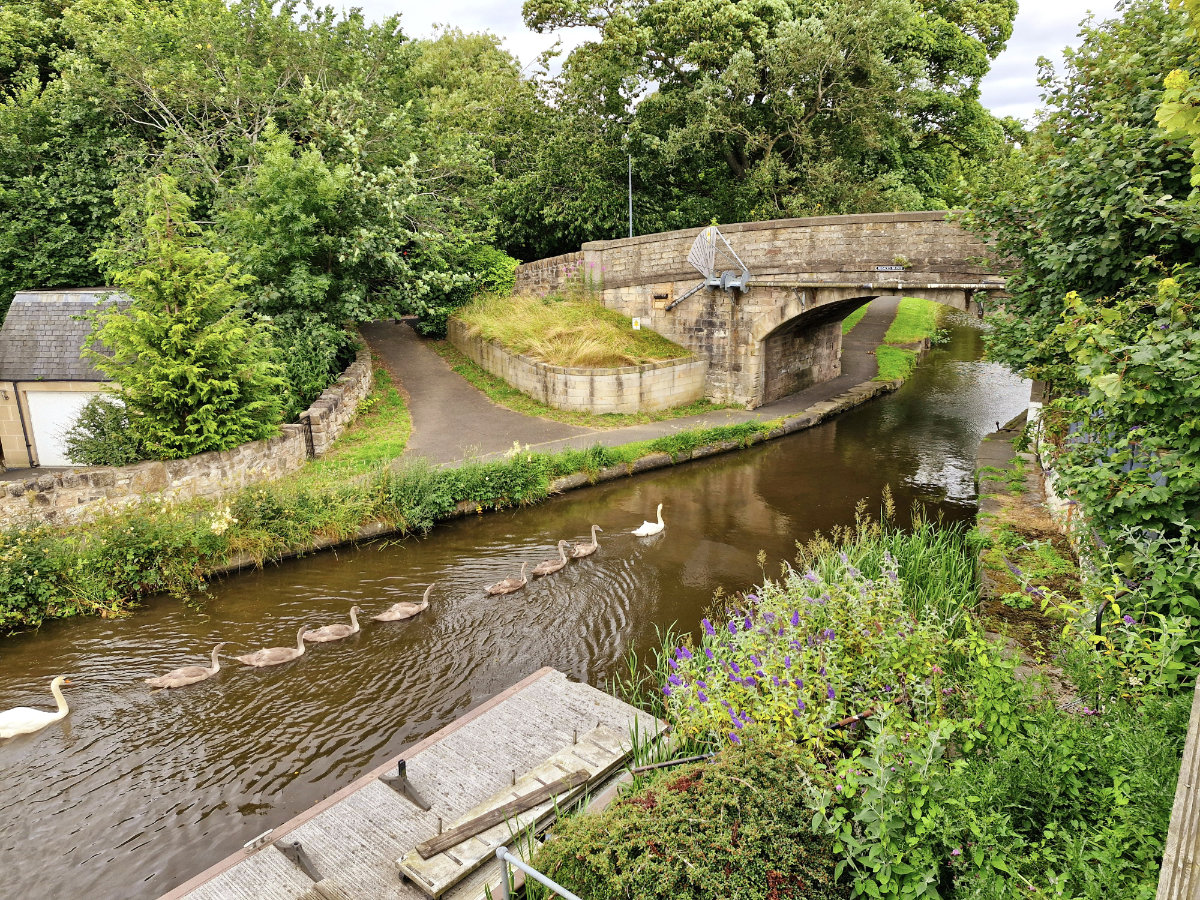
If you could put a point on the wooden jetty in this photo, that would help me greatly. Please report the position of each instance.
(506, 765)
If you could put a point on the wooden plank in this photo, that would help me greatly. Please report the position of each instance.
(597, 752)
(479, 824)
(1179, 878)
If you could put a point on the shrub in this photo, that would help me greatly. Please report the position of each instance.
(735, 827)
(102, 435)
(312, 353)
(485, 270)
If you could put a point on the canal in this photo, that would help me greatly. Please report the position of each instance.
(135, 791)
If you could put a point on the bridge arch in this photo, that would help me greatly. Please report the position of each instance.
(784, 332)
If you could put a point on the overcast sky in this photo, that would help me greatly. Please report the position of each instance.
(1043, 28)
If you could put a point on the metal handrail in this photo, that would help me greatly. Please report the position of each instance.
(507, 859)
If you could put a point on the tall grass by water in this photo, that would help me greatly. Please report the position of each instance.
(566, 331)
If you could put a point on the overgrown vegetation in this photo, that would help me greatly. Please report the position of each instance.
(1103, 227)
(500, 391)
(566, 331)
(944, 789)
(153, 546)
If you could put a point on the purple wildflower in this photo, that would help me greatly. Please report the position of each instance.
(821, 671)
(737, 670)
(754, 658)
(829, 693)
(748, 623)
(701, 696)
(787, 661)
(672, 663)
(753, 597)
(666, 690)
(684, 653)
(1127, 619)
(708, 652)
(708, 627)
(733, 628)
(734, 738)
(810, 575)
(956, 852)
(795, 617)
(769, 617)
(799, 683)
(675, 680)
(775, 681)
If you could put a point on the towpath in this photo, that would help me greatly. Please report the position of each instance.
(452, 420)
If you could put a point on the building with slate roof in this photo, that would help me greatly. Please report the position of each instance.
(44, 379)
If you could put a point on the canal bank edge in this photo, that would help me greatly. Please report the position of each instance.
(812, 416)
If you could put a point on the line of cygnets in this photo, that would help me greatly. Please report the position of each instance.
(26, 720)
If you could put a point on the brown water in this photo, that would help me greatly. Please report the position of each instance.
(135, 791)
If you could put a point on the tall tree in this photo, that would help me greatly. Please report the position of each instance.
(194, 371)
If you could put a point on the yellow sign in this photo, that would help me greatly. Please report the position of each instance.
(637, 324)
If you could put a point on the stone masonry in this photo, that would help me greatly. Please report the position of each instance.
(806, 276)
(73, 496)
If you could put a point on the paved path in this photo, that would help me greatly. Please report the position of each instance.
(452, 420)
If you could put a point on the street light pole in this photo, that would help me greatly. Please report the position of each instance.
(631, 195)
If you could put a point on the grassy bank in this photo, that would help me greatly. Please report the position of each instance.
(566, 332)
(504, 394)
(107, 565)
(942, 791)
(916, 320)
(854, 318)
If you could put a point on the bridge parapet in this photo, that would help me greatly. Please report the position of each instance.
(783, 334)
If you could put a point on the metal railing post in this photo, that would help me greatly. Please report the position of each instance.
(507, 859)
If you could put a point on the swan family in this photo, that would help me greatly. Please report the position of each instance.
(26, 720)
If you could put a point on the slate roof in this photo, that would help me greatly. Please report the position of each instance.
(44, 332)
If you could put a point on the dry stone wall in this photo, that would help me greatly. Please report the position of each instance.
(79, 494)
(628, 389)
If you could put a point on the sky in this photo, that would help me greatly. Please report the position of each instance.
(1043, 28)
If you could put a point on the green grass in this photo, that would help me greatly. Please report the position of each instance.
(894, 362)
(566, 332)
(854, 318)
(916, 319)
(378, 435)
(501, 392)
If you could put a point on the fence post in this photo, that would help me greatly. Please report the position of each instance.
(306, 425)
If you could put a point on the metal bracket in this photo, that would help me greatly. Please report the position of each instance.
(293, 851)
(402, 786)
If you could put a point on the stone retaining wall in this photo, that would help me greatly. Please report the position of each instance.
(72, 496)
(628, 389)
(545, 275)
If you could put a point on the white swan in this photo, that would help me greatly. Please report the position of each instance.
(26, 720)
(404, 609)
(327, 633)
(188, 674)
(649, 528)
(579, 551)
(273, 656)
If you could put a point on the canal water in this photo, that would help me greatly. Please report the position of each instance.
(135, 791)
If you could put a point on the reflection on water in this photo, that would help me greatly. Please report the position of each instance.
(136, 790)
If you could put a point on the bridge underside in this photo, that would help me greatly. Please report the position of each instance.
(774, 340)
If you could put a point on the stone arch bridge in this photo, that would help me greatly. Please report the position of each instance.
(784, 333)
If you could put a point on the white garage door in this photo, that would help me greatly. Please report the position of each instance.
(51, 415)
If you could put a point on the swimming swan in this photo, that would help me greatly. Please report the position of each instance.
(550, 566)
(188, 674)
(649, 528)
(579, 551)
(26, 720)
(404, 609)
(510, 584)
(335, 632)
(273, 656)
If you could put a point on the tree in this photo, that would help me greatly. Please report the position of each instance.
(1180, 109)
(1103, 211)
(750, 111)
(194, 370)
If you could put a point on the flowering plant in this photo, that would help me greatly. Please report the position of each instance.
(806, 652)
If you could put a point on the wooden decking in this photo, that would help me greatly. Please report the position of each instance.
(1180, 875)
(353, 840)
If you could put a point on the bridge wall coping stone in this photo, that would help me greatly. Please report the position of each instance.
(890, 218)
